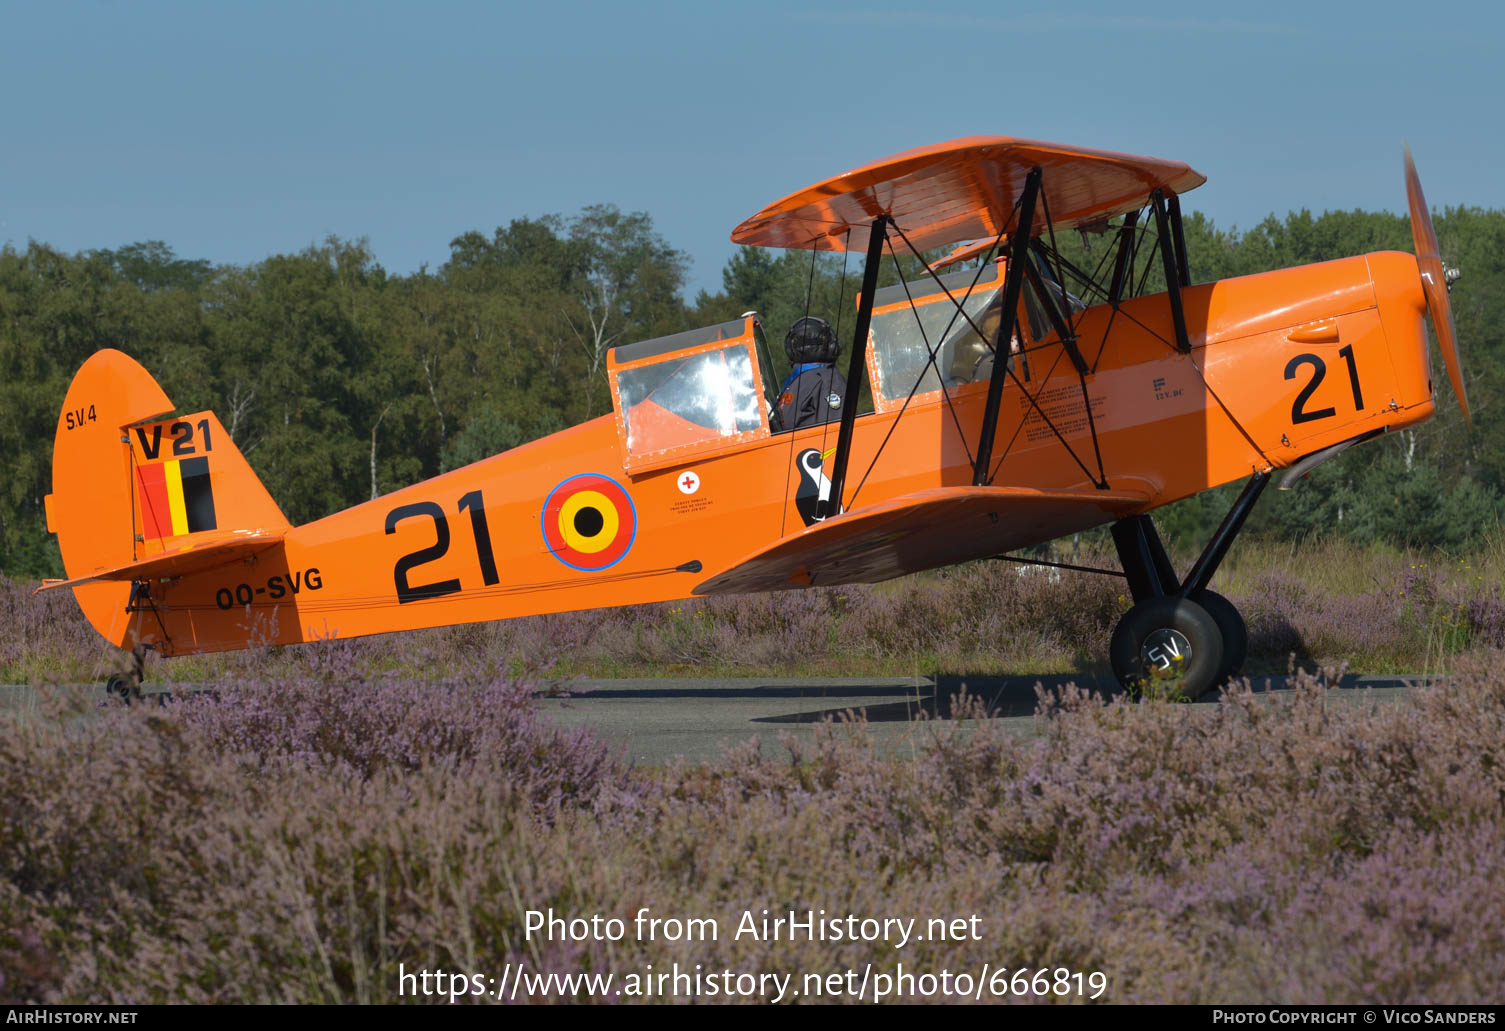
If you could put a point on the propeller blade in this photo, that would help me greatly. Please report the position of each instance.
(1433, 283)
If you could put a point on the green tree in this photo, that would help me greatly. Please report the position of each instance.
(627, 287)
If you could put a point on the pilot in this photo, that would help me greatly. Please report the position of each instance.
(813, 392)
(971, 354)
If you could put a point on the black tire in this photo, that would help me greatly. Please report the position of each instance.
(1231, 626)
(123, 686)
(1172, 642)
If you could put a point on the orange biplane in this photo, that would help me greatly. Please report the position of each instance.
(1092, 402)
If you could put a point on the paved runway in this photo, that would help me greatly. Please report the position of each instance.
(655, 721)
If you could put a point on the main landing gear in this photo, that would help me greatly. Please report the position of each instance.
(1179, 632)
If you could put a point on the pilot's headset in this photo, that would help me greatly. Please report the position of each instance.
(810, 341)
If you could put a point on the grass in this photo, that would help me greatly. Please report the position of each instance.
(1378, 609)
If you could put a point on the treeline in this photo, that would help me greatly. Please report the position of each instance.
(1440, 485)
(341, 381)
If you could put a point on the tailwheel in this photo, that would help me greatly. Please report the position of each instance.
(127, 686)
(1169, 642)
(1231, 626)
(124, 686)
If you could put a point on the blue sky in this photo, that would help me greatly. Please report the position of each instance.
(237, 131)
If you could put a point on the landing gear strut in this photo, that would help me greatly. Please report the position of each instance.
(1179, 630)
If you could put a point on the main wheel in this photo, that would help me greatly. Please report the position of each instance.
(1170, 641)
(1231, 626)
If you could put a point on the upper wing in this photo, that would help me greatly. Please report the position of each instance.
(962, 190)
(928, 528)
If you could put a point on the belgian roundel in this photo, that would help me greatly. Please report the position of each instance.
(589, 522)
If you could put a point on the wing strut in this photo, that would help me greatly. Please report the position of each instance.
(1175, 271)
(1178, 236)
(1123, 262)
(1056, 318)
(855, 365)
(1013, 281)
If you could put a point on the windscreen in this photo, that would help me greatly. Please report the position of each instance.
(689, 400)
(903, 339)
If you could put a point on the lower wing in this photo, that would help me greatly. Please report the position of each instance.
(929, 528)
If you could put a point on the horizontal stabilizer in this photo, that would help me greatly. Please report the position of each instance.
(204, 553)
(923, 530)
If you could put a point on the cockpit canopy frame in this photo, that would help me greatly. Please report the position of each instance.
(689, 396)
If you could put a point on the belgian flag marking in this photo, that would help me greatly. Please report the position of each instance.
(176, 498)
(589, 522)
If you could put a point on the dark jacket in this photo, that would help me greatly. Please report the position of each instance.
(806, 397)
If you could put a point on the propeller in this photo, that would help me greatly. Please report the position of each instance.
(1434, 282)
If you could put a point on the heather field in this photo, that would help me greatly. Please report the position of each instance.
(332, 816)
(309, 837)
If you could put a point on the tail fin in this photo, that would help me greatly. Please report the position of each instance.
(130, 480)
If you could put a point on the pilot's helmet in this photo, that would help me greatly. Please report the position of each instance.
(810, 340)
